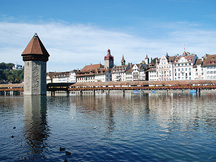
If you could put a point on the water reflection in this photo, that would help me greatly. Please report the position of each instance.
(176, 111)
(36, 128)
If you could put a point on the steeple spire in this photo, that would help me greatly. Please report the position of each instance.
(123, 60)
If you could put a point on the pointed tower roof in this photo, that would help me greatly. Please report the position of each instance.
(35, 50)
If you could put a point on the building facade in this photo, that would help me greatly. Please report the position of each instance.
(183, 66)
(119, 72)
(138, 72)
(62, 77)
(164, 68)
(209, 65)
(152, 74)
(198, 71)
(94, 73)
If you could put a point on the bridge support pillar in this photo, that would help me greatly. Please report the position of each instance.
(198, 91)
(68, 93)
(94, 92)
(11, 93)
(123, 92)
(81, 93)
(52, 93)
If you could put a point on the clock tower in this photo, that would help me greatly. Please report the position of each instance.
(108, 60)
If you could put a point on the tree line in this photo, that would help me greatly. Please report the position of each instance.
(8, 75)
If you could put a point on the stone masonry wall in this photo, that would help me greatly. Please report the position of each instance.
(35, 78)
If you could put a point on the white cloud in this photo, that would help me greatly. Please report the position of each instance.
(74, 46)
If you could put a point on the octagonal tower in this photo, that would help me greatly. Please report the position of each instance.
(35, 57)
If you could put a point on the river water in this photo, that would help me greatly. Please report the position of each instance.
(176, 127)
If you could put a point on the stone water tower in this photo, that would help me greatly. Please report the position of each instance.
(35, 57)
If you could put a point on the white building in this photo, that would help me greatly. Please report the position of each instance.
(104, 76)
(183, 66)
(94, 73)
(152, 74)
(61, 77)
(119, 72)
(164, 68)
(209, 65)
(17, 67)
(129, 76)
(138, 72)
(198, 71)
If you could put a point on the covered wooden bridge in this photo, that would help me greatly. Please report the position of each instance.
(148, 85)
(121, 85)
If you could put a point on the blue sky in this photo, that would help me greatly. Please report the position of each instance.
(77, 33)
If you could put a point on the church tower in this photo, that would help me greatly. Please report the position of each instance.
(35, 57)
(108, 60)
(123, 60)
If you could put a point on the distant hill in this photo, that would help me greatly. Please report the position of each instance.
(8, 75)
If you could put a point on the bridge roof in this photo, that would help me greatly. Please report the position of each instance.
(143, 83)
(11, 85)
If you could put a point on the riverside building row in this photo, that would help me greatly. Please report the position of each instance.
(180, 67)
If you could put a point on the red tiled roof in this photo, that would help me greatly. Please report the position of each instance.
(35, 47)
(189, 58)
(91, 70)
(210, 60)
(121, 68)
(94, 67)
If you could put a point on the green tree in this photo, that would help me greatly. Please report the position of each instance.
(6, 65)
(15, 76)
